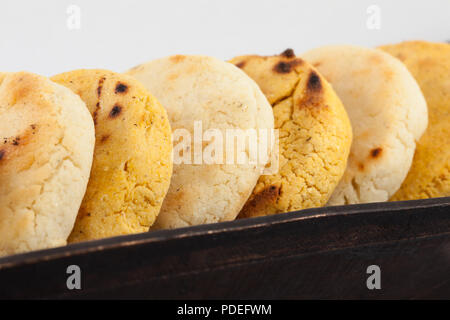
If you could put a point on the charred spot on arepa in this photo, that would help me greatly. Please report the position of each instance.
(95, 113)
(15, 141)
(241, 64)
(104, 138)
(20, 140)
(2, 154)
(288, 53)
(287, 66)
(282, 67)
(313, 97)
(376, 152)
(275, 190)
(269, 193)
(121, 88)
(115, 111)
(100, 86)
(266, 197)
(314, 83)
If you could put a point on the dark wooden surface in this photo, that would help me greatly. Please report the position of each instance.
(317, 253)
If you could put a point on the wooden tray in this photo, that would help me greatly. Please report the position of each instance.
(314, 253)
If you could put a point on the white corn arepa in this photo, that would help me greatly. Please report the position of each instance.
(45, 159)
(388, 114)
(220, 96)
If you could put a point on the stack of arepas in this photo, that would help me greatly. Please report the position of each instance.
(89, 154)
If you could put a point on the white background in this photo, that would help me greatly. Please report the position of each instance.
(118, 34)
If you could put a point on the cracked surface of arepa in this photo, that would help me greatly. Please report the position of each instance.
(314, 135)
(47, 142)
(132, 158)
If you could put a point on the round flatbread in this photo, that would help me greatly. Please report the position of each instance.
(132, 159)
(47, 142)
(314, 135)
(429, 63)
(219, 96)
(388, 114)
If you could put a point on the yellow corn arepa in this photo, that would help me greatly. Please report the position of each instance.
(429, 63)
(314, 135)
(132, 158)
